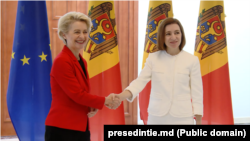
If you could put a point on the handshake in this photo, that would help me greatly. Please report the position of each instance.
(113, 101)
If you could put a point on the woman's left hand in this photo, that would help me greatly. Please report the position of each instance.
(198, 119)
(92, 112)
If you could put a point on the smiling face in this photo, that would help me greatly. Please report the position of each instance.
(173, 36)
(77, 35)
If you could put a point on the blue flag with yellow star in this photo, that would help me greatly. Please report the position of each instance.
(29, 92)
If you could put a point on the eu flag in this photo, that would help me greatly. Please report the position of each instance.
(29, 93)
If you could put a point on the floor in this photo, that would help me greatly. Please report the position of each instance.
(14, 138)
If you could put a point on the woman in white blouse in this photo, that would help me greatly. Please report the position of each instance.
(176, 84)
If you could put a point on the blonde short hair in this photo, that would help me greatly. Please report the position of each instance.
(67, 19)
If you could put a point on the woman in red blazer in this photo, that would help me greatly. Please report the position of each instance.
(72, 104)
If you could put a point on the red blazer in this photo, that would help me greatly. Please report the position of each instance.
(70, 93)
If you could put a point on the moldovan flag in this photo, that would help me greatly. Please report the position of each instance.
(102, 57)
(29, 93)
(157, 11)
(211, 49)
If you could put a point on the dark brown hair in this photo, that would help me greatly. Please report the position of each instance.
(161, 33)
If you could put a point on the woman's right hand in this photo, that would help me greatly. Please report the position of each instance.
(112, 102)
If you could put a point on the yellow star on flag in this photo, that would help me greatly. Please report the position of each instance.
(25, 60)
(13, 53)
(50, 46)
(43, 57)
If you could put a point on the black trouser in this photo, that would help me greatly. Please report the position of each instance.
(59, 134)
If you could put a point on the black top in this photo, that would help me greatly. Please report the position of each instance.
(82, 65)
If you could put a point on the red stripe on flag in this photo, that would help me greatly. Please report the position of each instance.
(217, 97)
(103, 84)
(144, 101)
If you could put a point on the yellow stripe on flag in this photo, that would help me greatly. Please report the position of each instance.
(210, 46)
(102, 58)
(211, 49)
(102, 44)
(157, 11)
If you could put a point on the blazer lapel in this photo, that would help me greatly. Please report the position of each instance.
(77, 64)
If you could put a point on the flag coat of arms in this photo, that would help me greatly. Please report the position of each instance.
(211, 49)
(157, 11)
(29, 93)
(102, 58)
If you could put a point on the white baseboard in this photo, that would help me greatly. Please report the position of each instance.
(236, 120)
(242, 120)
(140, 122)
